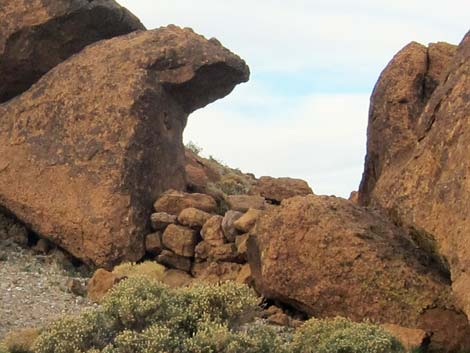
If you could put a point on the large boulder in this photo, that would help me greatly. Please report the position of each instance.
(399, 97)
(327, 257)
(430, 191)
(89, 147)
(37, 35)
(278, 189)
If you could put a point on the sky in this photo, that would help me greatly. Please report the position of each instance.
(314, 64)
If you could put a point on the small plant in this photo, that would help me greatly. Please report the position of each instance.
(340, 335)
(148, 269)
(193, 147)
(20, 341)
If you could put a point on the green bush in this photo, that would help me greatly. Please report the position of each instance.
(149, 269)
(340, 335)
(20, 341)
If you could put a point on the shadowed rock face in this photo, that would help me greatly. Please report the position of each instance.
(399, 97)
(37, 35)
(430, 191)
(327, 257)
(92, 144)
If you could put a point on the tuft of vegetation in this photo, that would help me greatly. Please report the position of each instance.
(20, 341)
(193, 147)
(340, 335)
(148, 269)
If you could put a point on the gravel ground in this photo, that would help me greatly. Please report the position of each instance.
(33, 288)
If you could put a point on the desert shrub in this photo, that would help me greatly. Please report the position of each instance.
(20, 341)
(149, 269)
(341, 335)
(144, 315)
(3, 348)
(233, 184)
(193, 147)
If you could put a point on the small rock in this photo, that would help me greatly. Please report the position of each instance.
(173, 202)
(161, 220)
(179, 239)
(214, 272)
(243, 203)
(408, 337)
(248, 220)
(42, 246)
(194, 218)
(228, 226)
(212, 231)
(170, 259)
(177, 278)
(153, 243)
(101, 282)
(76, 287)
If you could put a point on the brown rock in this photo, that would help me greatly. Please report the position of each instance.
(248, 220)
(42, 246)
(214, 272)
(170, 259)
(354, 197)
(410, 338)
(243, 203)
(241, 244)
(199, 173)
(429, 192)
(153, 243)
(244, 276)
(228, 227)
(278, 189)
(101, 282)
(161, 220)
(275, 316)
(212, 231)
(104, 131)
(174, 202)
(36, 36)
(224, 252)
(194, 218)
(327, 257)
(177, 278)
(399, 97)
(181, 240)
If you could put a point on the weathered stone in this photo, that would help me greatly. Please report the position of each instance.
(179, 239)
(153, 243)
(174, 202)
(95, 141)
(194, 218)
(241, 244)
(243, 203)
(212, 231)
(248, 220)
(161, 220)
(177, 278)
(224, 252)
(215, 272)
(228, 226)
(329, 257)
(410, 338)
(278, 189)
(244, 276)
(399, 97)
(199, 173)
(429, 192)
(170, 259)
(37, 35)
(101, 282)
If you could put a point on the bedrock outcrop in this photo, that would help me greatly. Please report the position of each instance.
(430, 190)
(327, 256)
(89, 147)
(398, 99)
(37, 35)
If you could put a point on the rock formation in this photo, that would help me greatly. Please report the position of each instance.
(37, 35)
(429, 191)
(327, 256)
(91, 145)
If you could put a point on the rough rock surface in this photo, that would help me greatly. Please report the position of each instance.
(92, 144)
(179, 239)
(174, 202)
(212, 231)
(327, 256)
(100, 284)
(194, 218)
(278, 189)
(430, 191)
(399, 97)
(37, 35)
(170, 259)
(243, 203)
(247, 221)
